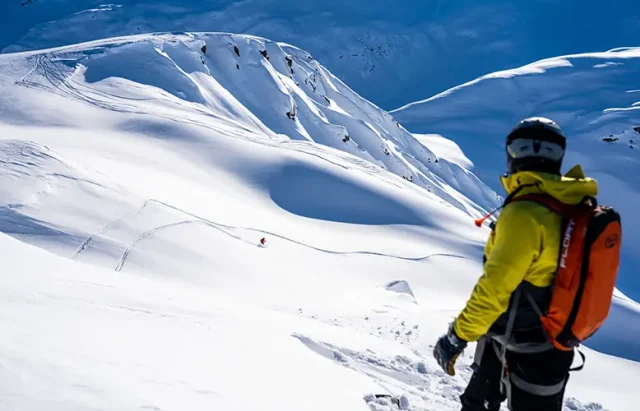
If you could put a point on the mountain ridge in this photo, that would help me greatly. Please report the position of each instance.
(388, 52)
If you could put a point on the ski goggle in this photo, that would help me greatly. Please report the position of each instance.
(529, 147)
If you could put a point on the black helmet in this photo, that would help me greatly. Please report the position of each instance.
(535, 144)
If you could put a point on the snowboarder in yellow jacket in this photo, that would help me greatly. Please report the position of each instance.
(521, 254)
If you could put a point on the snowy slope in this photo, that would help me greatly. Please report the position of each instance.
(140, 174)
(77, 337)
(197, 292)
(390, 52)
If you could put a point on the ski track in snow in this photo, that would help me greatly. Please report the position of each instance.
(226, 229)
(86, 242)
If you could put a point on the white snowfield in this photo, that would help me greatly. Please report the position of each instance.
(137, 178)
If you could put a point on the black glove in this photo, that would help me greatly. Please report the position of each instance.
(448, 349)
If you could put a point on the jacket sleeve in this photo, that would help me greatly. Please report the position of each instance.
(517, 243)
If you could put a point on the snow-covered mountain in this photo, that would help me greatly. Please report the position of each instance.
(141, 176)
(390, 52)
(275, 91)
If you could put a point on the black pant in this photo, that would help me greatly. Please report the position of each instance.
(547, 368)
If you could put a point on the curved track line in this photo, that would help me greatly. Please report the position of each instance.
(153, 231)
(262, 232)
(226, 230)
(86, 242)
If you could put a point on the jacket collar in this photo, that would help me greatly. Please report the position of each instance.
(572, 188)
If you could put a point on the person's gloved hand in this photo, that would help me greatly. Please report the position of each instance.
(448, 349)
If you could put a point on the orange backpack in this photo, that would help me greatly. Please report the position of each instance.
(587, 270)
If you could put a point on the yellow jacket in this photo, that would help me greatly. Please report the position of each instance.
(524, 246)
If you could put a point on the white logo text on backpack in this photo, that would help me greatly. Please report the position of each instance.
(566, 241)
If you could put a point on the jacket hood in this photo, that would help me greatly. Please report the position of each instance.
(571, 188)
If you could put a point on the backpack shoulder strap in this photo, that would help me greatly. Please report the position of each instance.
(547, 201)
(587, 203)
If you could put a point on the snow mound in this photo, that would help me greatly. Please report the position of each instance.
(400, 286)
